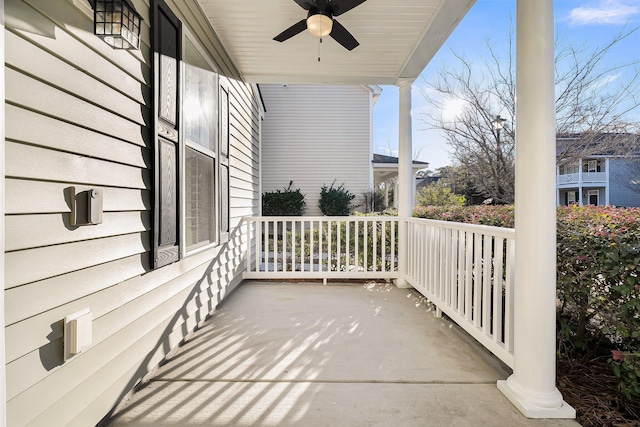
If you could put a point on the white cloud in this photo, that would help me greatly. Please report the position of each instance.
(606, 80)
(604, 12)
(452, 109)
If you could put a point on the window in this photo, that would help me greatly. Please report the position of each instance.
(201, 136)
(572, 197)
(592, 166)
(191, 209)
(568, 168)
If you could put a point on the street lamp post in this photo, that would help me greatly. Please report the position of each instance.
(497, 126)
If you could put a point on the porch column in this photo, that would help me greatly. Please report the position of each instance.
(532, 387)
(404, 192)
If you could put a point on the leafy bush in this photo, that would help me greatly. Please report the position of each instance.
(598, 286)
(283, 203)
(437, 194)
(497, 216)
(336, 201)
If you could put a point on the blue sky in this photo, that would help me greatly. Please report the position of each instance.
(589, 22)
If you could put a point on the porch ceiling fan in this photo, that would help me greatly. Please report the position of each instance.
(320, 21)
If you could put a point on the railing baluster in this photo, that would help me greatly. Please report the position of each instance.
(356, 234)
(469, 281)
(508, 327)
(383, 254)
(394, 265)
(477, 279)
(462, 236)
(311, 268)
(339, 246)
(486, 283)
(374, 258)
(497, 289)
(453, 273)
(365, 244)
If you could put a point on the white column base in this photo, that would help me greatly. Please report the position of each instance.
(402, 284)
(536, 405)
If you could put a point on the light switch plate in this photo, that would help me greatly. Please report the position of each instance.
(77, 333)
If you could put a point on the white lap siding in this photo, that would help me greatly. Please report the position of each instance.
(313, 135)
(78, 114)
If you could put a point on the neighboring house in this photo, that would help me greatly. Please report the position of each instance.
(331, 129)
(605, 177)
(385, 171)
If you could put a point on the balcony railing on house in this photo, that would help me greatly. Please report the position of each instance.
(465, 270)
(582, 177)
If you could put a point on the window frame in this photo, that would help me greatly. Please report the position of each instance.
(188, 37)
(224, 161)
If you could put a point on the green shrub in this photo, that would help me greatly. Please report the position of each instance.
(598, 285)
(336, 201)
(437, 194)
(283, 203)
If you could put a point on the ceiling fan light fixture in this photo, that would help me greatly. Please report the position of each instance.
(319, 25)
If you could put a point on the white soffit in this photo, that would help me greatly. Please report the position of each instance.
(397, 40)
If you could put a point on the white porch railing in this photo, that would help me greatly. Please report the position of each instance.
(467, 271)
(356, 247)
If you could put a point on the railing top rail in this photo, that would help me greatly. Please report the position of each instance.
(507, 233)
(320, 218)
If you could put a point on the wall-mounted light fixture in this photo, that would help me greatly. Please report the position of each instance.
(117, 23)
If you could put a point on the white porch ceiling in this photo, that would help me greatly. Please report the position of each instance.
(397, 40)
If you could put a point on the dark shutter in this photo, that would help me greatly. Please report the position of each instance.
(166, 46)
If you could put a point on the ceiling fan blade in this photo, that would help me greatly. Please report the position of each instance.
(305, 4)
(338, 7)
(342, 36)
(293, 30)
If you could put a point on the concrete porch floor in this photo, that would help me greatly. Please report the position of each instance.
(304, 354)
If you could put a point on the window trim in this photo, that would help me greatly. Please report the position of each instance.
(187, 36)
(224, 86)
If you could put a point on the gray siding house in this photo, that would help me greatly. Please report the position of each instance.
(80, 115)
(607, 174)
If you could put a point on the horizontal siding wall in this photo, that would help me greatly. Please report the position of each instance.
(77, 115)
(313, 135)
(622, 191)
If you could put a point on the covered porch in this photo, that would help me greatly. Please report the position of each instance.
(273, 354)
(357, 354)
